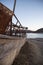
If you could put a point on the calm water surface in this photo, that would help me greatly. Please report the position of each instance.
(35, 35)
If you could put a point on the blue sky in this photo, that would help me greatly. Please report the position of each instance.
(29, 12)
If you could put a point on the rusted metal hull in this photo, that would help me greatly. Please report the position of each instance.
(9, 48)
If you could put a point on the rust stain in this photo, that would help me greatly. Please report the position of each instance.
(5, 18)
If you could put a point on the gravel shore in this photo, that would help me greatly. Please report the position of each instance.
(31, 53)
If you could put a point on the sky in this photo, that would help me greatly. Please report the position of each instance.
(29, 12)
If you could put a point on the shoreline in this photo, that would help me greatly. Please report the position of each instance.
(31, 53)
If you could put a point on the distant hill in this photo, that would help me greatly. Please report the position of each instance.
(39, 30)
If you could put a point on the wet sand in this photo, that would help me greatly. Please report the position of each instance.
(31, 53)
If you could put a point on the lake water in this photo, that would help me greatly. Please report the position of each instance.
(35, 35)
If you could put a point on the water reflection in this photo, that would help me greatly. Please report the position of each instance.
(35, 35)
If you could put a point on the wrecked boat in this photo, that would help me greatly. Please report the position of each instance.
(12, 36)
